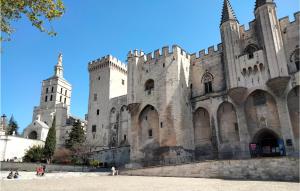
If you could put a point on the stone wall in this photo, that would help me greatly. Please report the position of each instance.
(282, 169)
(115, 156)
(6, 166)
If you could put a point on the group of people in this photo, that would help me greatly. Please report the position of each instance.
(11, 175)
(40, 171)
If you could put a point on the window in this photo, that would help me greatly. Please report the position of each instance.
(149, 86)
(95, 97)
(98, 111)
(61, 90)
(66, 92)
(123, 82)
(46, 98)
(99, 78)
(125, 137)
(295, 57)
(52, 89)
(207, 79)
(150, 133)
(65, 101)
(250, 49)
(161, 124)
(236, 127)
(208, 87)
(51, 97)
(60, 98)
(94, 128)
(46, 90)
(259, 98)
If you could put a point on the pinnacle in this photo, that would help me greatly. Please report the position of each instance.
(227, 13)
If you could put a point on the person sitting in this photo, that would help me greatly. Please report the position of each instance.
(10, 175)
(16, 174)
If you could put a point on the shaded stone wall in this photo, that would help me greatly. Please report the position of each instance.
(283, 169)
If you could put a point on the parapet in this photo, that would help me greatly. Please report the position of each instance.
(159, 53)
(251, 27)
(212, 51)
(285, 21)
(107, 61)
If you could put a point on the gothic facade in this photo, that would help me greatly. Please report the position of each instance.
(236, 101)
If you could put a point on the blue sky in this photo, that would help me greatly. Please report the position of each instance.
(93, 28)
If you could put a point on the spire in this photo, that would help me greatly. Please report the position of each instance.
(58, 69)
(227, 13)
(259, 3)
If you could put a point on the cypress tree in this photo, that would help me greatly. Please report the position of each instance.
(76, 136)
(50, 142)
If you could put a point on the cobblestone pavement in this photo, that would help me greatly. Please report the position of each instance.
(134, 183)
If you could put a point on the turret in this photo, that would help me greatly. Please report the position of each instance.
(231, 43)
(270, 37)
(132, 78)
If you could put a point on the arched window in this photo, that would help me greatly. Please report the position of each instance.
(32, 135)
(149, 86)
(295, 57)
(250, 49)
(207, 79)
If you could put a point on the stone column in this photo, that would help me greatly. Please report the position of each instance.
(243, 131)
(285, 123)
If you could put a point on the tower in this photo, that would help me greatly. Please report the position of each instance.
(231, 43)
(54, 101)
(108, 83)
(269, 35)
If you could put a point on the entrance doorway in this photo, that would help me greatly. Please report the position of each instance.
(266, 143)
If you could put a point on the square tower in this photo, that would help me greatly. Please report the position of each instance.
(108, 80)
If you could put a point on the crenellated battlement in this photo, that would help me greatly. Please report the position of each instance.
(211, 51)
(159, 53)
(107, 61)
(285, 21)
(250, 27)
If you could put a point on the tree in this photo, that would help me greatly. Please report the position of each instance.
(36, 11)
(76, 136)
(34, 154)
(12, 126)
(50, 142)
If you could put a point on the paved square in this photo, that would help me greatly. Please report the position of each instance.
(133, 183)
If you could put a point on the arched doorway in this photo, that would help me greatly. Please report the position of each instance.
(266, 143)
(202, 134)
(148, 132)
(32, 135)
(261, 112)
(293, 106)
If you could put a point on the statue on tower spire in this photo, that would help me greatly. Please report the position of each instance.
(58, 69)
(59, 62)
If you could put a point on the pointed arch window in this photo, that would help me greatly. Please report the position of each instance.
(207, 80)
(250, 49)
(149, 86)
(295, 58)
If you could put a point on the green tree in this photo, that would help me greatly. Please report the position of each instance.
(50, 142)
(12, 126)
(76, 136)
(34, 154)
(36, 11)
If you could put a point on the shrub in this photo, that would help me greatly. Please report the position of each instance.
(62, 156)
(34, 154)
(94, 163)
